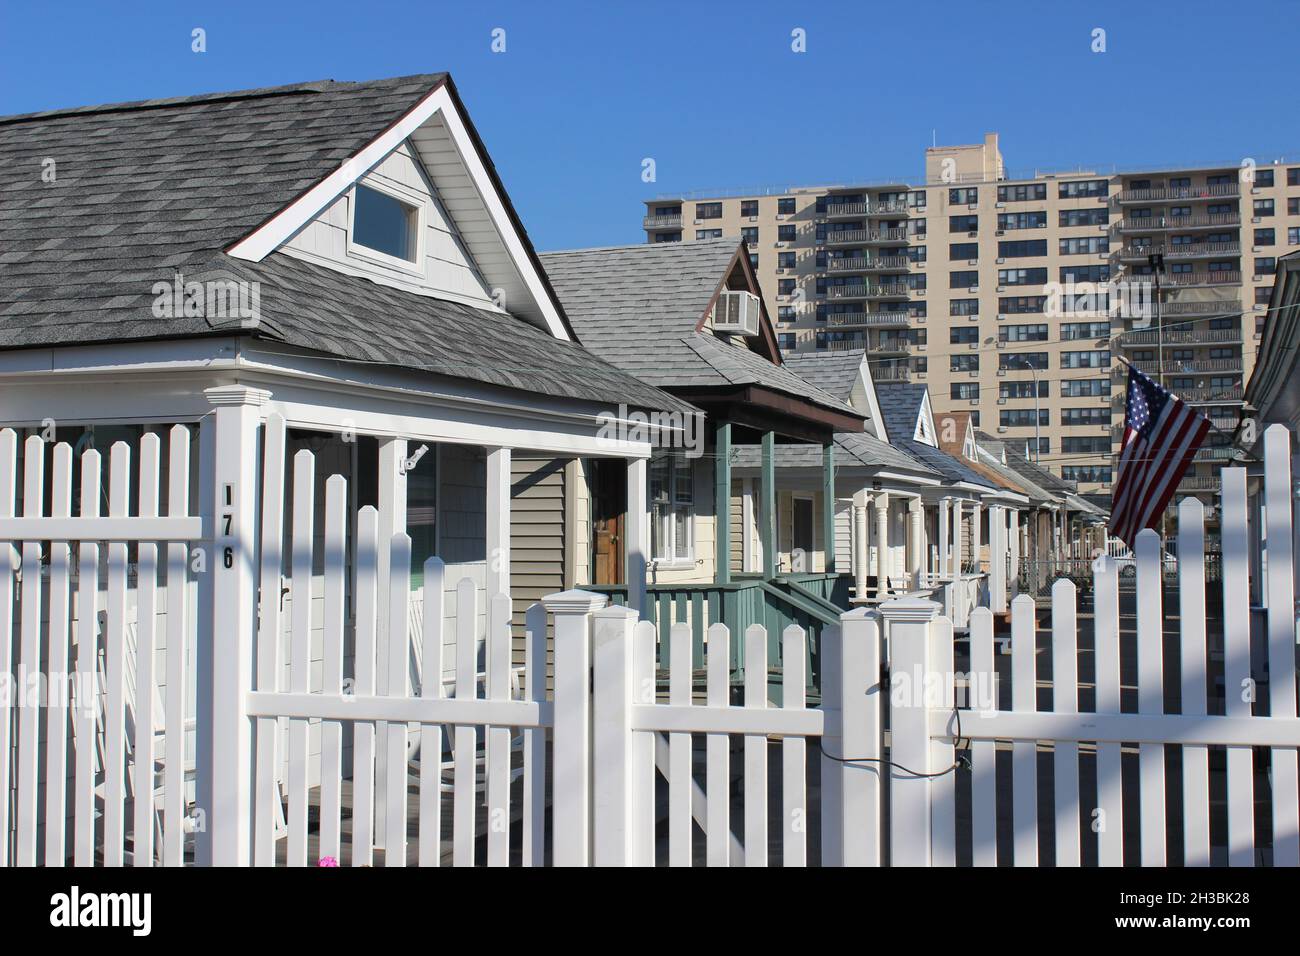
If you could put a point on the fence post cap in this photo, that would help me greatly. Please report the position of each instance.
(909, 609)
(859, 614)
(574, 602)
(613, 611)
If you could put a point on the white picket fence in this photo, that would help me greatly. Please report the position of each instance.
(353, 755)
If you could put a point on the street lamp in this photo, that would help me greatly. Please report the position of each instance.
(1038, 412)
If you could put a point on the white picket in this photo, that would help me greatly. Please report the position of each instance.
(1065, 700)
(534, 790)
(28, 762)
(398, 660)
(1238, 682)
(332, 617)
(1108, 816)
(1024, 753)
(9, 564)
(645, 644)
(943, 754)
(173, 796)
(1282, 641)
(266, 796)
(1191, 613)
(755, 748)
(363, 743)
(146, 618)
(498, 737)
(88, 703)
(115, 663)
(1150, 661)
(984, 824)
(679, 748)
(300, 593)
(435, 598)
(56, 659)
(794, 787)
(718, 755)
(466, 736)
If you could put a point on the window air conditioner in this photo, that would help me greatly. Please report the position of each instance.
(736, 312)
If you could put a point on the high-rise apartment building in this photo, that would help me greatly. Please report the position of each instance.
(1014, 298)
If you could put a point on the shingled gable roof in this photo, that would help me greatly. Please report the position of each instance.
(144, 190)
(642, 308)
(956, 448)
(900, 406)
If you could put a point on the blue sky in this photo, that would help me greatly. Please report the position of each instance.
(711, 90)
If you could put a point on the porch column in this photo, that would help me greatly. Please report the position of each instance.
(828, 507)
(918, 545)
(976, 532)
(767, 504)
(882, 543)
(498, 523)
(636, 533)
(945, 536)
(997, 559)
(722, 502)
(956, 565)
(861, 553)
(392, 520)
(1014, 543)
(226, 623)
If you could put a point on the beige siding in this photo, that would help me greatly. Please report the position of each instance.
(538, 535)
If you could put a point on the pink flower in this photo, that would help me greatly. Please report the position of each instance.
(327, 861)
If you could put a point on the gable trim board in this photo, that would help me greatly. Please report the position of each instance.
(441, 100)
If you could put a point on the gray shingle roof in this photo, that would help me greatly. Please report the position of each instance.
(638, 306)
(900, 404)
(834, 372)
(852, 449)
(144, 190)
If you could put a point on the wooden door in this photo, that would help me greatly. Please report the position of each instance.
(608, 508)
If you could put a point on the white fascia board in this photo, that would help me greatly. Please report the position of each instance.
(272, 234)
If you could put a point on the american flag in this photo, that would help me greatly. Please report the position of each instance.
(1161, 434)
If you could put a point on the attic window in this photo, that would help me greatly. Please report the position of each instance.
(383, 223)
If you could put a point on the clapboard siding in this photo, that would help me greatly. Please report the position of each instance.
(538, 533)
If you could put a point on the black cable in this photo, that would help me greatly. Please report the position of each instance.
(963, 760)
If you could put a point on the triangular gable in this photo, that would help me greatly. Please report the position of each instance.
(440, 136)
(863, 398)
(765, 343)
(925, 431)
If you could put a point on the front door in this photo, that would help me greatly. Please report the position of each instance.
(608, 508)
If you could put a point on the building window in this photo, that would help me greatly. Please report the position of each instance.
(916, 253)
(1083, 187)
(708, 233)
(1022, 390)
(1021, 248)
(668, 236)
(383, 223)
(963, 223)
(1085, 387)
(963, 280)
(1022, 276)
(1085, 246)
(785, 233)
(708, 210)
(1085, 217)
(969, 362)
(963, 250)
(1092, 359)
(1263, 207)
(1022, 360)
(1024, 193)
(1293, 177)
(749, 207)
(1086, 416)
(965, 391)
(964, 307)
(1263, 294)
(1022, 333)
(786, 341)
(964, 195)
(1022, 417)
(916, 228)
(963, 334)
(785, 286)
(1022, 220)
(749, 234)
(1265, 237)
(1082, 273)
(1265, 265)
(1263, 178)
(1086, 444)
(1293, 236)
(786, 313)
(785, 260)
(1021, 304)
(1072, 331)
(672, 507)
(1095, 474)
(785, 206)
(916, 199)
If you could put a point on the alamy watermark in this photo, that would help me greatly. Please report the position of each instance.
(220, 298)
(659, 429)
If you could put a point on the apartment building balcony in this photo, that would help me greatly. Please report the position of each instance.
(1193, 367)
(1211, 396)
(887, 264)
(889, 346)
(891, 207)
(1195, 483)
(886, 237)
(856, 264)
(1185, 251)
(1216, 454)
(891, 373)
(1187, 280)
(846, 237)
(868, 320)
(1143, 224)
(842, 293)
(1197, 308)
(1179, 194)
(888, 290)
(662, 222)
(845, 210)
(1153, 337)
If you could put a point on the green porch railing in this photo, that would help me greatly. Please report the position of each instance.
(811, 601)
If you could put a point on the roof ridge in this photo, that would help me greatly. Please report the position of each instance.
(226, 96)
(675, 246)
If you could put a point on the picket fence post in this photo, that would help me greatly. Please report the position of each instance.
(852, 781)
(571, 745)
(613, 778)
(910, 796)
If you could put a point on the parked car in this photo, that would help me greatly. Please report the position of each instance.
(1127, 563)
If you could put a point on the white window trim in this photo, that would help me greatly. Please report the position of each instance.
(675, 562)
(810, 556)
(410, 197)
